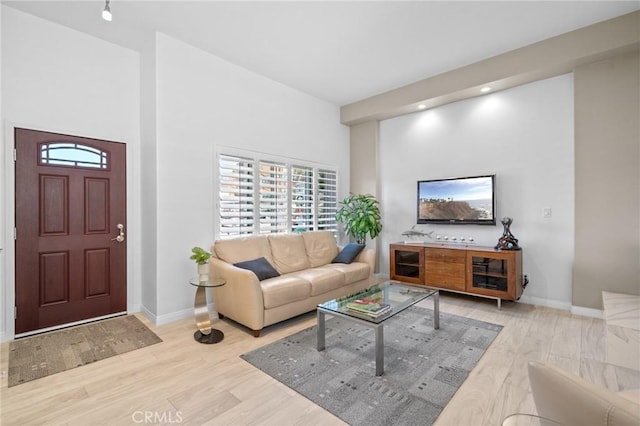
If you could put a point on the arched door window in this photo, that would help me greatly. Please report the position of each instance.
(71, 154)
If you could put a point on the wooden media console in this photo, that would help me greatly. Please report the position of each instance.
(476, 270)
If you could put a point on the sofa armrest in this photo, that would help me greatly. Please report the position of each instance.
(368, 256)
(571, 400)
(241, 297)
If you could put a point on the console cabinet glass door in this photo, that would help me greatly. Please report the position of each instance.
(407, 264)
(489, 273)
(494, 274)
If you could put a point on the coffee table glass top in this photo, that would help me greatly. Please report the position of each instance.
(398, 296)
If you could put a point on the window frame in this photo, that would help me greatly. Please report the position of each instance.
(258, 158)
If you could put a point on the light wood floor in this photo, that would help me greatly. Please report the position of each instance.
(181, 381)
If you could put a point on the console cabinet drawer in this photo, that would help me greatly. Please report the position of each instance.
(445, 268)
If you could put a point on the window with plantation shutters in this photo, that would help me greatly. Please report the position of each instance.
(274, 197)
(236, 184)
(266, 195)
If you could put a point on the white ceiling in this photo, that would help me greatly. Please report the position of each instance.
(336, 50)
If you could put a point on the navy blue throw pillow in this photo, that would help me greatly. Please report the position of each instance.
(348, 253)
(260, 266)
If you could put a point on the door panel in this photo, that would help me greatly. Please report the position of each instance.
(70, 201)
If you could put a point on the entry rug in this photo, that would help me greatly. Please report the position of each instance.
(423, 367)
(45, 354)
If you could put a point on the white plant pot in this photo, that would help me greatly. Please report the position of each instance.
(203, 272)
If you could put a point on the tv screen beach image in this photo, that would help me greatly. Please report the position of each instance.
(466, 199)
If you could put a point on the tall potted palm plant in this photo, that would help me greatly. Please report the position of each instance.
(360, 215)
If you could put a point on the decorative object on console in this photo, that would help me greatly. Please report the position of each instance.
(455, 240)
(201, 257)
(507, 241)
(414, 233)
(360, 215)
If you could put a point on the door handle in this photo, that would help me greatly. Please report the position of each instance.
(120, 237)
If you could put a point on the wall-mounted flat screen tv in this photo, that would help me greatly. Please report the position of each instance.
(465, 200)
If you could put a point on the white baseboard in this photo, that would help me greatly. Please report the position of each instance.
(587, 312)
(150, 316)
(547, 303)
(171, 317)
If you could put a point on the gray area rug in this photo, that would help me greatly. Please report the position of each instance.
(45, 354)
(423, 367)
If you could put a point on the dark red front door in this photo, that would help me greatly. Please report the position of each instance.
(70, 229)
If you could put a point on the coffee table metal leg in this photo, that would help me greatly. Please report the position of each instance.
(320, 333)
(436, 310)
(379, 350)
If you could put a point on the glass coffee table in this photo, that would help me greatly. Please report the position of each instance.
(390, 298)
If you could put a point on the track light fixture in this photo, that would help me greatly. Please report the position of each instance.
(106, 13)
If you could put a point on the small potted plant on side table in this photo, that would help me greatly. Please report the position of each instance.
(201, 257)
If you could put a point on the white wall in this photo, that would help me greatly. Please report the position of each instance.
(60, 80)
(524, 136)
(149, 177)
(3, 202)
(204, 102)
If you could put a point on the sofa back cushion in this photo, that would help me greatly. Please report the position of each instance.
(321, 247)
(242, 249)
(289, 254)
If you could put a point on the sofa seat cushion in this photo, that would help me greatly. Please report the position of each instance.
(284, 289)
(321, 247)
(289, 254)
(236, 250)
(353, 272)
(322, 279)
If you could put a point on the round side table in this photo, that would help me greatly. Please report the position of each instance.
(205, 333)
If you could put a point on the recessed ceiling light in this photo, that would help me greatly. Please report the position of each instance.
(485, 89)
(422, 106)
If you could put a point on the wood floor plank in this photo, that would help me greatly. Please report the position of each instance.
(212, 385)
(593, 345)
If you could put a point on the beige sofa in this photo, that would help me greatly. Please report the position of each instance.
(307, 276)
